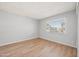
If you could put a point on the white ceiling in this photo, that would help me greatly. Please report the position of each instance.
(37, 10)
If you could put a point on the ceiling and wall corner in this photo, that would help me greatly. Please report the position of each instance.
(37, 10)
(29, 11)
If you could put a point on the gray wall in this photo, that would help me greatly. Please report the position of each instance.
(70, 35)
(15, 28)
(78, 29)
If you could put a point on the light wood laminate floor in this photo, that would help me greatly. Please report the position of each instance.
(37, 48)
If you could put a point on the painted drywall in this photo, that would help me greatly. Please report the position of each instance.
(16, 28)
(69, 37)
(78, 30)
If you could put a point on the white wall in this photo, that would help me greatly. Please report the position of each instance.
(78, 30)
(70, 35)
(15, 28)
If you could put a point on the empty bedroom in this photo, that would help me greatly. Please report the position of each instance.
(39, 29)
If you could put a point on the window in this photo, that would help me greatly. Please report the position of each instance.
(56, 25)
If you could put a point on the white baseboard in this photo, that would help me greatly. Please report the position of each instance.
(59, 42)
(34, 38)
(17, 41)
